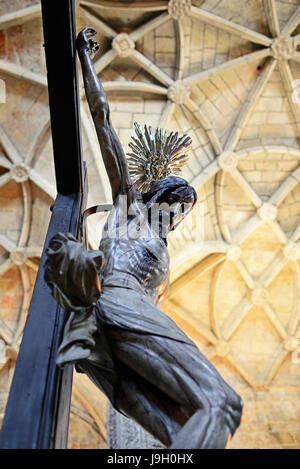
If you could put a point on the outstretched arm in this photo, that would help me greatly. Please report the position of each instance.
(111, 148)
(73, 276)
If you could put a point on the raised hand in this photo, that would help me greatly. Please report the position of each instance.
(84, 42)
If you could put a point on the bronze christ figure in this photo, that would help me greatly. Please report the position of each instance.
(136, 354)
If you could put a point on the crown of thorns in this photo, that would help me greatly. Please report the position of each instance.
(156, 156)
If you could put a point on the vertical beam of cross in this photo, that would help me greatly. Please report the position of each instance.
(37, 411)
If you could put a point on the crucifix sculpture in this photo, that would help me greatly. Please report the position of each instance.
(116, 333)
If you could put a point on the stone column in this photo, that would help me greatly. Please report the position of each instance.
(125, 433)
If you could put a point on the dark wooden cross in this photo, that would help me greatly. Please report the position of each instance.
(38, 407)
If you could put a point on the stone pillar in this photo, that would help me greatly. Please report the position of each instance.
(125, 433)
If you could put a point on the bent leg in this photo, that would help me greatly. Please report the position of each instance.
(183, 374)
(206, 429)
(155, 412)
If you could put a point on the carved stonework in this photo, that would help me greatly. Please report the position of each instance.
(260, 296)
(125, 433)
(20, 172)
(292, 251)
(2, 352)
(11, 353)
(283, 47)
(222, 348)
(268, 212)
(227, 161)
(234, 253)
(179, 8)
(123, 45)
(17, 257)
(179, 92)
(291, 344)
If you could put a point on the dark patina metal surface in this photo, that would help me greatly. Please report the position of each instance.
(148, 368)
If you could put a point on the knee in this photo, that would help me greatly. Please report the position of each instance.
(238, 405)
(231, 406)
(235, 411)
(240, 409)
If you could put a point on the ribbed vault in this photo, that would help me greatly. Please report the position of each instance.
(225, 72)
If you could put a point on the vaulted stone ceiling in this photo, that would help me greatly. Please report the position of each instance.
(225, 72)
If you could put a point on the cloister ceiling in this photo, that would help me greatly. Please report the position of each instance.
(224, 72)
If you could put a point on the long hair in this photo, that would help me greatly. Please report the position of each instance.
(170, 189)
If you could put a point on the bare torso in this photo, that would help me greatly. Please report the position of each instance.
(140, 255)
